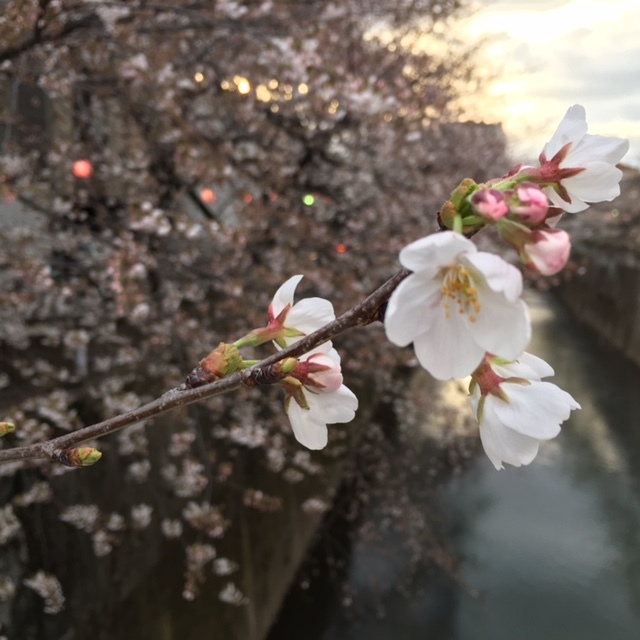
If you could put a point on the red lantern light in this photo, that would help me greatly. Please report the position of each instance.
(207, 196)
(82, 169)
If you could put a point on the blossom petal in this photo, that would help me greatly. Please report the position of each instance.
(284, 295)
(542, 368)
(434, 251)
(337, 406)
(502, 444)
(602, 148)
(527, 366)
(308, 431)
(576, 205)
(310, 314)
(325, 348)
(599, 182)
(501, 328)
(448, 350)
(596, 156)
(535, 410)
(412, 308)
(570, 130)
(499, 275)
(474, 400)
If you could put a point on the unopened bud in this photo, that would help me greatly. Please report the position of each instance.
(79, 457)
(224, 360)
(547, 252)
(489, 204)
(529, 204)
(6, 427)
(457, 206)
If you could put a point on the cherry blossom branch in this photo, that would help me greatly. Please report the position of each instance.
(370, 310)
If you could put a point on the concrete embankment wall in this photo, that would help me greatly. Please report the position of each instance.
(606, 295)
(604, 290)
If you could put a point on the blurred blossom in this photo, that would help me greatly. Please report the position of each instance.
(232, 595)
(48, 588)
(171, 528)
(102, 543)
(489, 204)
(579, 168)
(141, 516)
(9, 524)
(82, 517)
(547, 251)
(224, 566)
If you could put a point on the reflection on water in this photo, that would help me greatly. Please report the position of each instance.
(549, 552)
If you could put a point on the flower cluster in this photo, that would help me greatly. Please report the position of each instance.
(462, 309)
(315, 393)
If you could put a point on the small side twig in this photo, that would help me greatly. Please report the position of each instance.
(370, 310)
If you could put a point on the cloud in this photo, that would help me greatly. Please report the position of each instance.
(551, 54)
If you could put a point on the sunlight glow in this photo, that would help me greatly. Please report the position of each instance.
(540, 58)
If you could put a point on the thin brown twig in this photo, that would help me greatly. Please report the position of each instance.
(371, 309)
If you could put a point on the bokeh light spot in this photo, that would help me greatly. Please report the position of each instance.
(82, 169)
(243, 85)
(308, 199)
(207, 196)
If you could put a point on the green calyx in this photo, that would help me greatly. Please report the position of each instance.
(457, 214)
(295, 390)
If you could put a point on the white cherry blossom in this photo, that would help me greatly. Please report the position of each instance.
(516, 409)
(580, 166)
(316, 397)
(301, 318)
(456, 305)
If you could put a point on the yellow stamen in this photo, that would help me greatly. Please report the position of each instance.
(458, 285)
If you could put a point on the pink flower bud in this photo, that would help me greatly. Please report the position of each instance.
(489, 204)
(324, 373)
(547, 251)
(530, 204)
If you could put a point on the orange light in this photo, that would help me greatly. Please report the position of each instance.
(207, 196)
(82, 169)
(247, 198)
(341, 248)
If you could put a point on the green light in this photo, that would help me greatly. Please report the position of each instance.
(308, 199)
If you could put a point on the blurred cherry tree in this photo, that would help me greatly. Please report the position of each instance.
(164, 169)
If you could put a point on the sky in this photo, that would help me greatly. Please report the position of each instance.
(551, 54)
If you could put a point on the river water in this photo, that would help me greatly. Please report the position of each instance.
(550, 551)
